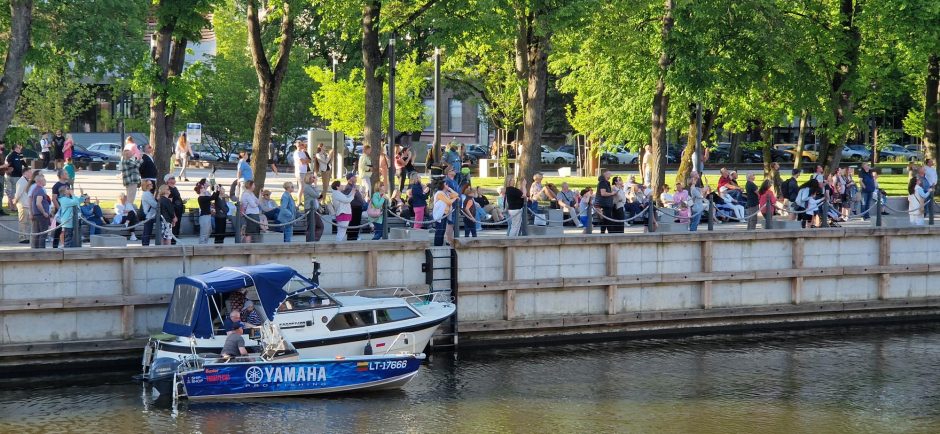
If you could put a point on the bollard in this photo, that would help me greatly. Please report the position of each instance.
(311, 225)
(711, 213)
(523, 230)
(76, 229)
(824, 214)
(769, 216)
(458, 217)
(589, 227)
(877, 209)
(385, 220)
(237, 223)
(651, 217)
(929, 203)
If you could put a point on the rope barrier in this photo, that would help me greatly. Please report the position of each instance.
(303, 216)
(31, 234)
(642, 213)
(425, 221)
(113, 228)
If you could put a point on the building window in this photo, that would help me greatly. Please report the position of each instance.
(429, 115)
(455, 118)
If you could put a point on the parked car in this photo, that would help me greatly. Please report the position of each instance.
(477, 152)
(555, 157)
(567, 148)
(856, 152)
(620, 155)
(211, 152)
(810, 151)
(895, 151)
(80, 153)
(112, 150)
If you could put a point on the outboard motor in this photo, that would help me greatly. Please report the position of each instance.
(161, 373)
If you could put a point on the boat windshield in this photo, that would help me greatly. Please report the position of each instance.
(305, 298)
(183, 305)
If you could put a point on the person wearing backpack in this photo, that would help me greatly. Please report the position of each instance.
(789, 190)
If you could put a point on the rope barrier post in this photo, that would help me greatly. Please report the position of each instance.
(523, 228)
(458, 218)
(877, 209)
(589, 227)
(711, 214)
(929, 203)
(237, 223)
(769, 216)
(385, 220)
(311, 225)
(76, 229)
(651, 217)
(824, 215)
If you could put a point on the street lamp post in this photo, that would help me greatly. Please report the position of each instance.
(390, 144)
(436, 148)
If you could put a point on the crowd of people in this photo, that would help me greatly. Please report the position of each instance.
(355, 204)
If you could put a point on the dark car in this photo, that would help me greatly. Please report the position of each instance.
(79, 153)
(477, 152)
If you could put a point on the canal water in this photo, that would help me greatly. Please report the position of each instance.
(844, 380)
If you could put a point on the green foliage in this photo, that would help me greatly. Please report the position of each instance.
(51, 100)
(18, 135)
(341, 104)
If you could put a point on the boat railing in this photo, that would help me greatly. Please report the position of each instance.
(401, 292)
(405, 339)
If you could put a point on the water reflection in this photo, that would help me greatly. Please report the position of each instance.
(869, 379)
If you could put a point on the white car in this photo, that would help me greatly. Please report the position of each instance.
(555, 157)
(112, 150)
(620, 156)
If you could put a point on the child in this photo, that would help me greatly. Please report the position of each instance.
(70, 169)
(585, 205)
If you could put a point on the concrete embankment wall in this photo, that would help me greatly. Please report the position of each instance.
(109, 299)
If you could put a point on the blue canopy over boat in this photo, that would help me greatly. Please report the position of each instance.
(189, 312)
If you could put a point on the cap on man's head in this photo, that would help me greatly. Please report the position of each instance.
(168, 177)
(236, 325)
(795, 172)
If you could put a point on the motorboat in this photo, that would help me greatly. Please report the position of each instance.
(317, 323)
(275, 368)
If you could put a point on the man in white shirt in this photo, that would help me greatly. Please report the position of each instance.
(44, 148)
(930, 171)
(21, 199)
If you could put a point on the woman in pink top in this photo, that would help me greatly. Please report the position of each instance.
(682, 203)
(68, 146)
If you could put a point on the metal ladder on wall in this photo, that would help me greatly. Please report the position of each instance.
(440, 271)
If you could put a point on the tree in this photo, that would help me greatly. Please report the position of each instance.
(52, 99)
(161, 72)
(14, 66)
(270, 78)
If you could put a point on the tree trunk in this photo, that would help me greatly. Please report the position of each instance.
(169, 55)
(685, 161)
(771, 170)
(801, 141)
(842, 99)
(734, 151)
(661, 105)
(371, 61)
(932, 109)
(14, 67)
(530, 159)
(269, 85)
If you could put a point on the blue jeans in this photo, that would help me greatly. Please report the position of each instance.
(866, 203)
(69, 233)
(288, 232)
(377, 230)
(694, 221)
(469, 229)
(439, 228)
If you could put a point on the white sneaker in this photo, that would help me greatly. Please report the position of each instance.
(133, 237)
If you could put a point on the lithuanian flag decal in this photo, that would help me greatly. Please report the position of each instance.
(362, 366)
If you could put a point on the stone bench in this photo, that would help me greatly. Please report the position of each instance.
(409, 234)
(106, 240)
(556, 230)
(782, 224)
(892, 221)
(672, 227)
(268, 237)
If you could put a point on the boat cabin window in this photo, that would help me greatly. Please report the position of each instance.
(313, 298)
(394, 314)
(351, 320)
(183, 305)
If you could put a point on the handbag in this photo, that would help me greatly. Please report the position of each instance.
(372, 211)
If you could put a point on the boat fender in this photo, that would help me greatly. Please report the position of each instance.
(368, 349)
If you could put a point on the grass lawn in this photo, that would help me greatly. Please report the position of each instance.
(894, 185)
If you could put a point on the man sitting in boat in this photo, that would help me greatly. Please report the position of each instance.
(234, 343)
(251, 315)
